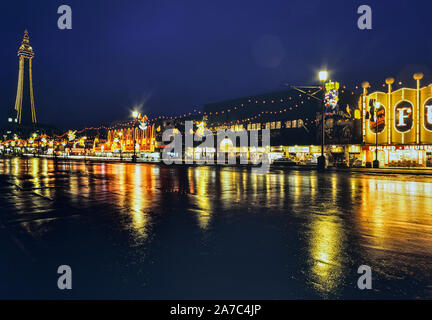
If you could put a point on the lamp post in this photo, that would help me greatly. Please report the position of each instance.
(417, 78)
(321, 159)
(121, 147)
(389, 82)
(375, 163)
(135, 115)
(85, 148)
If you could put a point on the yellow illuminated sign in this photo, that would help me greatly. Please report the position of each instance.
(298, 149)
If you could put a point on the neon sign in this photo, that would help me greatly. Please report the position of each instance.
(71, 135)
(427, 115)
(403, 116)
(143, 123)
(377, 120)
(331, 98)
(403, 147)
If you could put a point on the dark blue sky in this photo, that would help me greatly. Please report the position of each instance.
(172, 55)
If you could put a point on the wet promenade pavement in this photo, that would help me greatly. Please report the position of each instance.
(149, 231)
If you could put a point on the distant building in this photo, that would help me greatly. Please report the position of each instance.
(291, 115)
(294, 120)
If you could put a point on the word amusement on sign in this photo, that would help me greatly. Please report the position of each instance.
(394, 148)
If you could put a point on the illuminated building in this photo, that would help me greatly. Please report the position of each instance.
(293, 118)
(289, 109)
(397, 126)
(122, 139)
(24, 103)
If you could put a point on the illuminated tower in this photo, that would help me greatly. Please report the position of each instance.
(24, 103)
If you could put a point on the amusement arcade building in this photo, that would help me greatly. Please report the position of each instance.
(397, 125)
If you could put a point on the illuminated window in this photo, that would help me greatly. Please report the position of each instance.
(288, 124)
(294, 123)
(258, 126)
(278, 125)
(273, 125)
(267, 126)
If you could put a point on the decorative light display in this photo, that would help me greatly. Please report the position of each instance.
(71, 135)
(200, 128)
(121, 132)
(143, 123)
(331, 100)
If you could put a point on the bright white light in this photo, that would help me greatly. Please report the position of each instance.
(323, 75)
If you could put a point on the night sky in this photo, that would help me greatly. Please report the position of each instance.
(169, 56)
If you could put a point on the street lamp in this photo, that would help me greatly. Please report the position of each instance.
(323, 75)
(375, 105)
(85, 147)
(135, 115)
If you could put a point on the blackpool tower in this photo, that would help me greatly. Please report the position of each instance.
(24, 103)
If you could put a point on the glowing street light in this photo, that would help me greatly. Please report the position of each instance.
(323, 76)
(135, 115)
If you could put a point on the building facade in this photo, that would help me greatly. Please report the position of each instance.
(294, 119)
(397, 126)
(137, 137)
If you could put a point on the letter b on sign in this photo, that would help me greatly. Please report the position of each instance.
(65, 280)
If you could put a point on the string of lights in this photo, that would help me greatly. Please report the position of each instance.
(229, 109)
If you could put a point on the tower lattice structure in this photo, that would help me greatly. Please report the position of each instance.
(24, 99)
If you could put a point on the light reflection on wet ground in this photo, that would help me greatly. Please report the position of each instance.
(149, 231)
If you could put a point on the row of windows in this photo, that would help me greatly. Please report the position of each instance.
(276, 125)
(268, 125)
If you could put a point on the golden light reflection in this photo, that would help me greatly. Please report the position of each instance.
(334, 187)
(15, 166)
(35, 172)
(325, 253)
(201, 179)
(395, 214)
(139, 217)
(230, 191)
(313, 186)
(135, 187)
(378, 214)
(295, 182)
